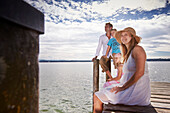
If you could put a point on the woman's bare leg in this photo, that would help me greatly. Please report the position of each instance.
(98, 105)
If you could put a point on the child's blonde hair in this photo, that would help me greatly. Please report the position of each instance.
(113, 29)
(116, 64)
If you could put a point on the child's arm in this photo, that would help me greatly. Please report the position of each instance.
(119, 75)
(107, 52)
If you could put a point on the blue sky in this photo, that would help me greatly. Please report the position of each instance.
(73, 27)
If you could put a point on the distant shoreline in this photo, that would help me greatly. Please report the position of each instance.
(160, 59)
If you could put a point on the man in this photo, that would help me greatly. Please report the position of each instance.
(103, 41)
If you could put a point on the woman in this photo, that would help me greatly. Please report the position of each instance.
(134, 86)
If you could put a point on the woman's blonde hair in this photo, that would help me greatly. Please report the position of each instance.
(126, 52)
(133, 42)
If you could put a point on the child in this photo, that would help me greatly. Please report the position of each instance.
(115, 49)
(113, 32)
(119, 66)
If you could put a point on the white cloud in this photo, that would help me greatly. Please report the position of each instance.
(108, 8)
(74, 40)
(95, 9)
(62, 41)
(79, 41)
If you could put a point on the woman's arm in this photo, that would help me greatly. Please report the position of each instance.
(140, 57)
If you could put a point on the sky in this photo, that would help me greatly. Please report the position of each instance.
(73, 27)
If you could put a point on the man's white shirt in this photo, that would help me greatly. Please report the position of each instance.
(103, 41)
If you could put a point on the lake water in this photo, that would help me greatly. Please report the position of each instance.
(67, 87)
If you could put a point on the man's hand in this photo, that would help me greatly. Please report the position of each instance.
(94, 58)
(105, 56)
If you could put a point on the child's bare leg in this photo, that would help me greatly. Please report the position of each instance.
(109, 74)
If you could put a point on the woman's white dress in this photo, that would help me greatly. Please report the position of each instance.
(137, 94)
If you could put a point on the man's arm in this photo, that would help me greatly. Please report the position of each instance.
(98, 48)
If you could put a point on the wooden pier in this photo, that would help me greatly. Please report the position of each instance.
(160, 97)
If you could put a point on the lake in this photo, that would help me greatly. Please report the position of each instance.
(67, 87)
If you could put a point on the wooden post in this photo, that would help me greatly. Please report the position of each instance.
(95, 77)
(109, 66)
(20, 27)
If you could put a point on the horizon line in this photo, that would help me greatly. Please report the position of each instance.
(149, 59)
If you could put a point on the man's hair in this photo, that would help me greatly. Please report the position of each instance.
(113, 29)
(109, 24)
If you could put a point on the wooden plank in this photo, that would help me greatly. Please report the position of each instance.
(160, 84)
(155, 110)
(158, 93)
(160, 100)
(139, 109)
(163, 89)
(116, 112)
(166, 101)
(161, 111)
(160, 96)
(127, 108)
(160, 105)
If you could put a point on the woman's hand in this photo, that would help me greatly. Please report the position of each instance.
(117, 89)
